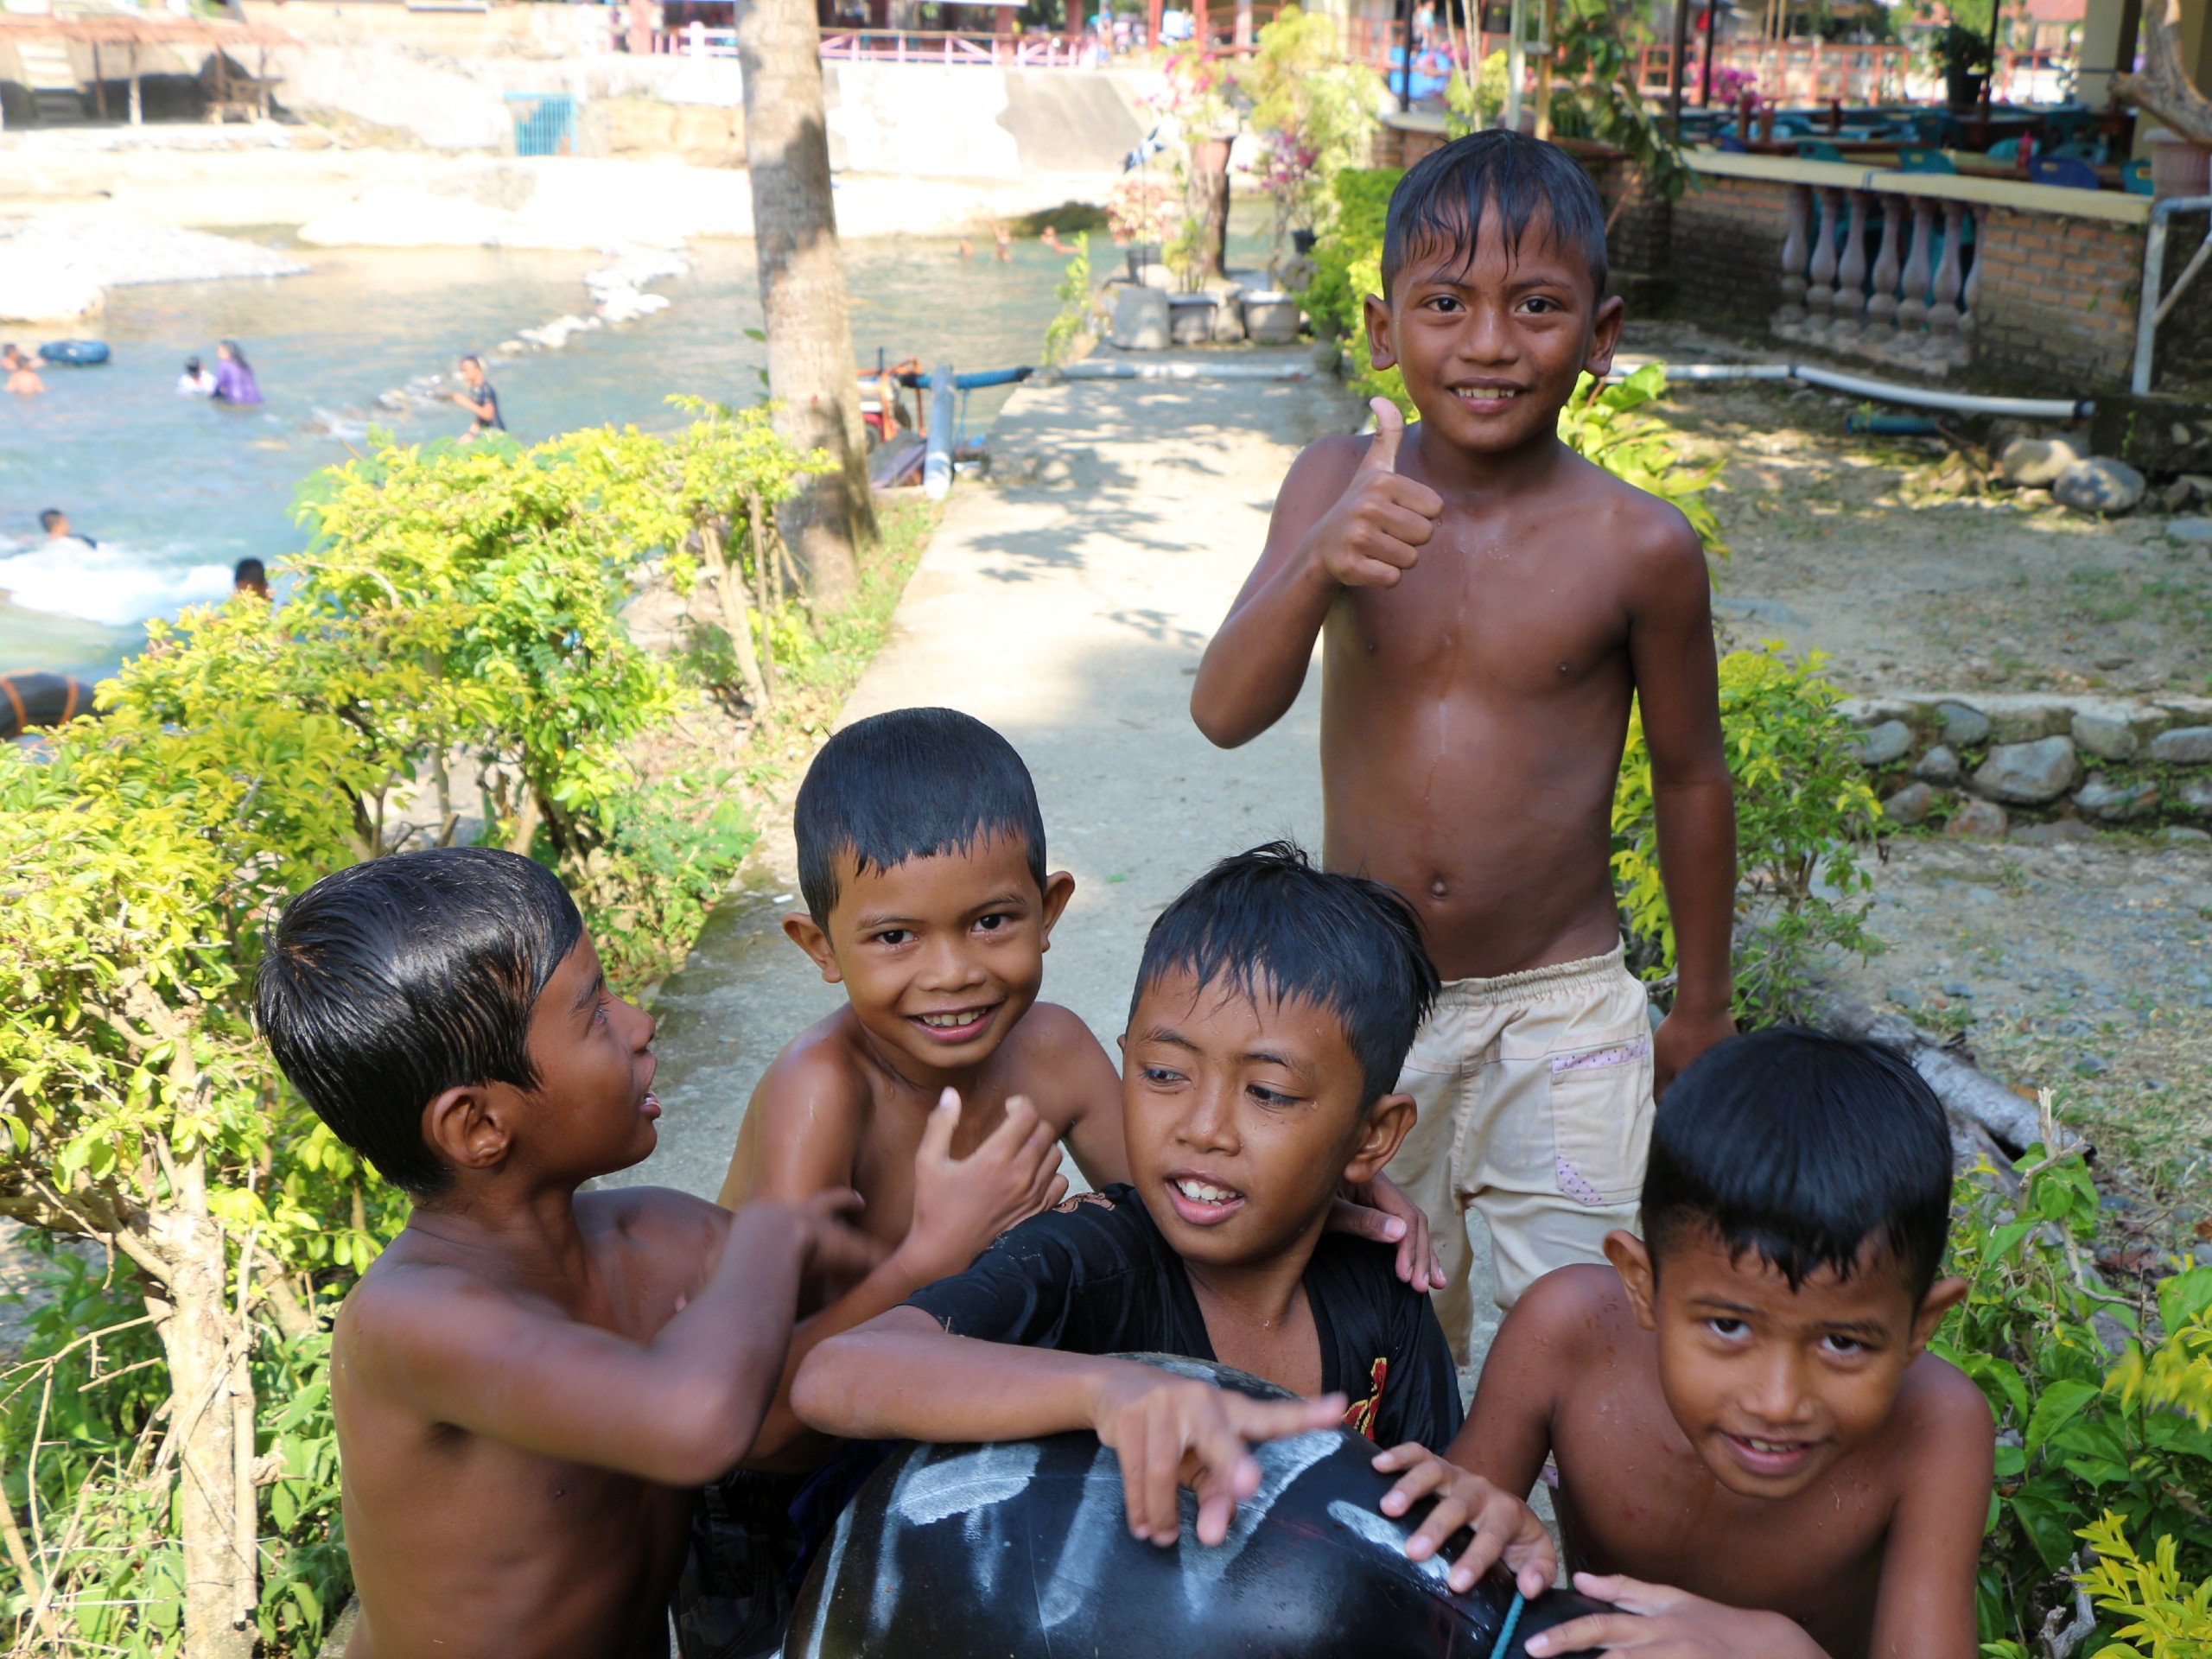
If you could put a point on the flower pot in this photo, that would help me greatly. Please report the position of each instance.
(1270, 317)
(1190, 319)
(1963, 88)
(1141, 255)
(2179, 168)
(1301, 241)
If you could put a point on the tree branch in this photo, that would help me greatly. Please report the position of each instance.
(2164, 88)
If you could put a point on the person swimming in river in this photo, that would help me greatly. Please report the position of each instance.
(195, 381)
(1489, 606)
(530, 1382)
(1756, 1454)
(234, 381)
(480, 398)
(24, 377)
(1273, 1007)
(941, 1091)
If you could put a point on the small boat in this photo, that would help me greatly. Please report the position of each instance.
(74, 353)
(33, 697)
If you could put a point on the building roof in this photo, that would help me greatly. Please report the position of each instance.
(121, 29)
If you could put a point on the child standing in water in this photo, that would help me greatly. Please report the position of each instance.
(1489, 605)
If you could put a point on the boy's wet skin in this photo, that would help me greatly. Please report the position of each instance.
(1777, 1449)
(503, 1494)
(1491, 603)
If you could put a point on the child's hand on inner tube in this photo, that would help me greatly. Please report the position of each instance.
(1657, 1622)
(1505, 1529)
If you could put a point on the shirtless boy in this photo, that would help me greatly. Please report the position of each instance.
(1272, 1009)
(1757, 1456)
(921, 855)
(527, 1382)
(1489, 604)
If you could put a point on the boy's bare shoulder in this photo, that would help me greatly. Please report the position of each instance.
(1633, 522)
(818, 1070)
(1049, 1034)
(1571, 1314)
(1324, 467)
(652, 1217)
(1940, 1410)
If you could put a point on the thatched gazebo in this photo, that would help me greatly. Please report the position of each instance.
(132, 33)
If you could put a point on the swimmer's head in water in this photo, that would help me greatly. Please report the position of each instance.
(921, 855)
(1274, 1008)
(54, 522)
(395, 982)
(1795, 1214)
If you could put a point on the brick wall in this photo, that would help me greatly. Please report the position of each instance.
(1724, 243)
(2057, 304)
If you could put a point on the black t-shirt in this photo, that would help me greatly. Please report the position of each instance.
(1095, 1276)
(481, 395)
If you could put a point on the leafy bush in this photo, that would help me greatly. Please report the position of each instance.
(2087, 1447)
(1074, 295)
(1599, 423)
(1803, 812)
(1315, 110)
(2158, 1615)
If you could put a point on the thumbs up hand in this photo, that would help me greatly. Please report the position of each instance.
(1377, 528)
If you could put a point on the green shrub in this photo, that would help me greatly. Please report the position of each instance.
(2092, 1392)
(1074, 295)
(1804, 813)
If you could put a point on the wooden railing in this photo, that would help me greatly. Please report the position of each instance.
(1814, 71)
(1881, 274)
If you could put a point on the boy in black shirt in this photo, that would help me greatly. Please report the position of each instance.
(1273, 1007)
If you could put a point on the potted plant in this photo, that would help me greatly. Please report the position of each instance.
(1140, 214)
(1963, 56)
(1316, 111)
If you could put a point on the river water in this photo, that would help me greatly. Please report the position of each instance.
(174, 491)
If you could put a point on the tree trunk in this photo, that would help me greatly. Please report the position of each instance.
(803, 288)
(211, 1393)
(1207, 200)
(2164, 88)
(729, 589)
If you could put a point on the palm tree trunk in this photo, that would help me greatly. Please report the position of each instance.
(803, 288)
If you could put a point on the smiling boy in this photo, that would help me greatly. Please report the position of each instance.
(1272, 1009)
(1489, 605)
(528, 1384)
(1756, 1453)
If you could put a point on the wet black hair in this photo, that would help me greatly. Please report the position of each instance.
(1443, 196)
(192, 366)
(237, 352)
(393, 981)
(50, 517)
(911, 783)
(1803, 1147)
(1271, 925)
(249, 570)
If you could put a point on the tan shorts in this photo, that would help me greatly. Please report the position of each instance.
(1534, 1092)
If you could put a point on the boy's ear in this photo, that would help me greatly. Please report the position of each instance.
(800, 929)
(467, 1127)
(1382, 350)
(1942, 1296)
(1059, 888)
(1604, 336)
(1631, 1259)
(1389, 1121)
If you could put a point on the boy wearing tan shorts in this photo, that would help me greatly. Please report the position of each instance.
(1489, 606)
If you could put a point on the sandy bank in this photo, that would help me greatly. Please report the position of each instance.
(399, 198)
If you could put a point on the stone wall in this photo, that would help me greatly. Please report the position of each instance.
(2039, 767)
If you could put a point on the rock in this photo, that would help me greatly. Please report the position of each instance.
(1939, 765)
(2036, 463)
(1977, 821)
(2098, 484)
(1911, 805)
(2110, 803)
(1139, 320)
(1905, 997)
(2190, 532)
(1958, 987)
(2196, 797)
(1965, 727)
(2184, 746)
(2090, 1065)
(1270, 317)
(2109, 740)
(1190, 318)
(2184, 838)
(2027, 723)
(1229, 323)
(47, 296)
(2060, 832)
(2029, 775)
(1889, 741)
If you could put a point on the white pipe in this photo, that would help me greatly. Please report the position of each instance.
(1887, 391)
(2150, 311)
(1092, 369)
(937, 454)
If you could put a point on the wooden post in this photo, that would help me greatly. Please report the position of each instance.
(1152, 21)
(1792, 255)
(1544, 48)
(1675, 68)
(137, 108)
(1517, 62)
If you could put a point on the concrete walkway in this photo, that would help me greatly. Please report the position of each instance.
(1069, 612)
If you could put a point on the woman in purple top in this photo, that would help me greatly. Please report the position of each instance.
(235, 382)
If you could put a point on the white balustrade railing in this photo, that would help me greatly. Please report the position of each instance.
(1881, 274)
